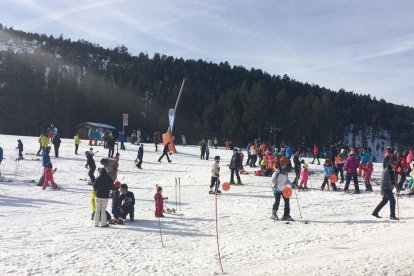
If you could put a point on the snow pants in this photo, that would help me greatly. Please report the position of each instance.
(128, 210)
(46, 183)
(91, 174)
(354, 177)
(286, 211)
(100, 214)
(388, 196)
(232, 171)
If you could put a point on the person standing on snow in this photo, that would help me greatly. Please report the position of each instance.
(76, 141)
(45, 162)
(140, 156)
(215, 174)
(56, 144)
(296, 167)
(203, 149)
(121, 139)
(20, 148)
(156, 138)
(90, 163)
(110, 145)
(340, 163)
(235, 165)
(103, 185)
(280, 182)
(165, 153)
(315, 154)
(351, 167)
(91, 135)
(388, 182)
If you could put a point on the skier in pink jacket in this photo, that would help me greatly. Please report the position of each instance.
(351, 168)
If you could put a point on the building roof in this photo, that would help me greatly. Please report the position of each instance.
(97, 125)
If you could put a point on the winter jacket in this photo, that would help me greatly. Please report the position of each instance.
(365, 157)
(304, 175)
(253, 150)
(315, 150)
(296, 162)
(388, 180)
(111, 142)
(403, 167)
(97, 135)
(388, 159)
(45, 158)
(235, 162)
(112, 168)
(48, 173)
(140, 153)
(368, 172)
(340, 160)
(1, 154)
(90, 162)
(103, 184)
(76, 140)
(159, 204)
(328, 170)
(121, 138)
(248, 148)
(280, 181)
(56, 141)
(215, 170)
(91, 132)
(43, 141)
(127, 199)
(288, 152)
(351, 164)
(20, 146)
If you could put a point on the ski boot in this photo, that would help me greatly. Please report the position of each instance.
(393, 218)
(274, 215)
(376, 215)
(287, 218)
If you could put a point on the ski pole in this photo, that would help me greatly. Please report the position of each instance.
(179, 191)
(297, 200)
(175, 193)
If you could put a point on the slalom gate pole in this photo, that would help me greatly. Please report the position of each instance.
(176, 194)
(297, 200)
(217, 235)
(159, 226)
(179, 191)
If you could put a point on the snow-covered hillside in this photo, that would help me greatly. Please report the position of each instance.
(50, 232)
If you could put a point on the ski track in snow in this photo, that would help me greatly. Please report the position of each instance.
(50, 232)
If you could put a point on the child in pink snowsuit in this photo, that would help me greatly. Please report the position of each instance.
(304, 175)
(49, 177)
(159, 203)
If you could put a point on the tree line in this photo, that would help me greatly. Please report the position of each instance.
(67, 82)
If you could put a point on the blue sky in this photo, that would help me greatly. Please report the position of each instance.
(365, 46)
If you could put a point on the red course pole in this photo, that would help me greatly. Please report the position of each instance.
(159, 226)
(217, 235)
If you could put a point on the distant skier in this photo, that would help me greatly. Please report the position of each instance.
(351, 167)
(76, 141)
(315, 154)
(327, 172)
(121, 139)
(215, 142)
(90, 163)
(165, 152)
(91, 135)
(156, 138)
(1, 155)
(20, 148)
(388, 182)
(296, 166)
(368, 169)
(235, 166)
(215, 174)
(116, 203)
(45, 162)
(56, 144)
(140, 156)
(203, 146)
(43, 143)
(110, 145)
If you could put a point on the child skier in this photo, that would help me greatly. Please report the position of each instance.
(76, 141)
(207, 152)
(328, 171)
(280, 181)
(116, 203)
(215, 174)
(304, 175)
(90, 163)
(368, 169)
(49, 171)
(159, 202)
(127, 203)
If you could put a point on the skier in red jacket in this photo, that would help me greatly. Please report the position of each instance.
(159, 202)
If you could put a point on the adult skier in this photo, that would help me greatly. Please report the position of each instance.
(56, 144)
(90, 163)
(140, 156)
(165, 152)
(351, 167)
(235, 166)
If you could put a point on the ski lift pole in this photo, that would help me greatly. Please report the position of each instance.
(179, 191)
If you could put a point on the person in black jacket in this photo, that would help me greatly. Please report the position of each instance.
(165, 153)
(56, 144)
(110, 144)
(90, 163)
(235, 165)
(296, 167)
(127, 203)
(140, 156)
(102, 186)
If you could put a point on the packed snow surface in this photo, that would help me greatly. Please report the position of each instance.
(51, 233)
